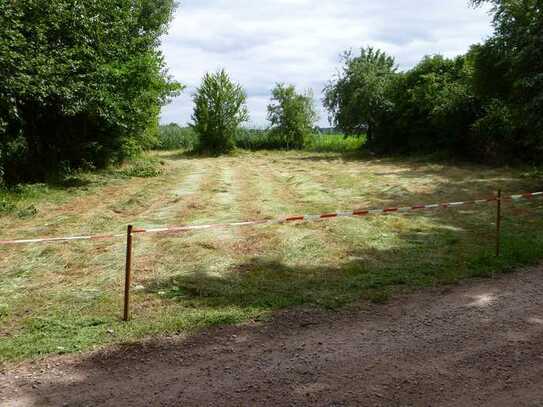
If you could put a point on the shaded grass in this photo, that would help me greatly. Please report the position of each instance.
(22, 201)
(67, 298)
(372, 274)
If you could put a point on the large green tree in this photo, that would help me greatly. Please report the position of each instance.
(433, 107)
(80, 81)
(509, 73)
(292, 116)
(357, 97)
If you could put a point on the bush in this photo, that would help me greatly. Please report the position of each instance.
(143, 168)
(6, 206)
(220, 107)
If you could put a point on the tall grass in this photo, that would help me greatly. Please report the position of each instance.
(256, 139)
(174, 137)
(335, 143)
(252, 139)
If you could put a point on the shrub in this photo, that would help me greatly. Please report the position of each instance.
(143, 168)
(6, 206)
(220, 107)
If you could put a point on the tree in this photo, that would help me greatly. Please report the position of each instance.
(79, 82)
(292, 116)
(357, 97)
(433, 107)
(509, 69)
(219, 109)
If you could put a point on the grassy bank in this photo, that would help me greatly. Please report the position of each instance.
(67, 297)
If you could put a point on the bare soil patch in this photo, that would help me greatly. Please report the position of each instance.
(478, 343)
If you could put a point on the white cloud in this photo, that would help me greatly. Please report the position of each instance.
(299, 41)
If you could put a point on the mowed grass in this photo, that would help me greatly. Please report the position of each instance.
(62, 298)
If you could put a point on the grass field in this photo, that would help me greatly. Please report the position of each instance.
(67, 297)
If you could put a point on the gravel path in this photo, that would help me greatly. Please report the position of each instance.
(480, 343)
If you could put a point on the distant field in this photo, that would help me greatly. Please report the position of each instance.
(67, 297)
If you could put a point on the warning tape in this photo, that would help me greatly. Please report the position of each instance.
(61, 239)
(290, 219)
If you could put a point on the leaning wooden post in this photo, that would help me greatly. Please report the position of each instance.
(498, 222)
(128, 270)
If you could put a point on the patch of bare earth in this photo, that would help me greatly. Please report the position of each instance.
(480, 343)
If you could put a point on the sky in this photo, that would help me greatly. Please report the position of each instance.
(263, 42)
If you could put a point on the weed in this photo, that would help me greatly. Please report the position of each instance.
(143, 169)
(7, 206)
(28, 212)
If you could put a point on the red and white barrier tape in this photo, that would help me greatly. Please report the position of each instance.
(61, 239)
(290, 219)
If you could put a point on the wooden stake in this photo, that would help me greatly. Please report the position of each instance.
(498, 223)
(128, 271)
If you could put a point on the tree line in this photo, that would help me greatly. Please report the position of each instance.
(486, 105)
(82, 84)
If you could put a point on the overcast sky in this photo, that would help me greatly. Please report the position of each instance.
(261, 42)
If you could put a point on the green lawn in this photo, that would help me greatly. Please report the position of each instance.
(62, 298)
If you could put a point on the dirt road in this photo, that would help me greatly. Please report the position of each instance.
(480, 343)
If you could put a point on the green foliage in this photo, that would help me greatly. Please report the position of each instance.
(79, 81)
(485, 105)
(510, 67)
(174, 137)
(7, 206)
(334, 143)
(493, 133)
(220, 107)
(143, 168)
(292, 116)
(433, 107)
(28, 212)
(357, 97)
(257, 139)
(491, 74)
(426, 108)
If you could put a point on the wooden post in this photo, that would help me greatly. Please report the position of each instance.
(128, 271)
(498, 223)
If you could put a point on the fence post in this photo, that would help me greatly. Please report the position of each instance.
(127, 274)
(498, 222)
